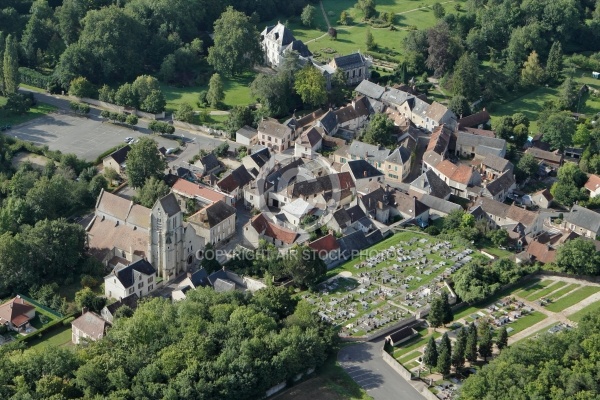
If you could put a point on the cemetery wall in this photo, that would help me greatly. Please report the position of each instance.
(406, 374)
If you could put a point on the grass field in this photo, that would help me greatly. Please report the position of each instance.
(530, 289)
(60, 337)
(237, 92)
(573, 298)
(532, 103)
(332, 383)
(563, 291)
(36, 111)
(541, 293)
(576, 317)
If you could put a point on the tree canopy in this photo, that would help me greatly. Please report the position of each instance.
(144, 162)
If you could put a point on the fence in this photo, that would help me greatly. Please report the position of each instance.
(39, 305)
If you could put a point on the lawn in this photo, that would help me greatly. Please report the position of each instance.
(526, 322)
(576, 317)
(537, 285)
(40, 109)
(331, 383)
(60, 337)
(544, 292)
(573, 298)
(237, 92)
(563, 291)
(414, 343)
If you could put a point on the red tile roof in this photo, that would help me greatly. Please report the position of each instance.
(325, 244)
(593, 183)
(541, 252)
(14, 311)
(190, 189)
(459, 173)
(267, 228)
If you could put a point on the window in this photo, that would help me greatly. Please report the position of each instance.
(150, 288)
(270, 138)
(140, 285)
(151, 279)
(131, 290)
(342, 160)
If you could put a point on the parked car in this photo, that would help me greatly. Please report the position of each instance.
(128, 139)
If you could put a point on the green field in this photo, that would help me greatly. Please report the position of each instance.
(541, 293)
(237, 92)
(40, 109)
(534, 287)
(563, 291)
(573, 298)
(576, 317)
(60, 337)
(532, 103)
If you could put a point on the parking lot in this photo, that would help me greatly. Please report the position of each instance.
(85, 137)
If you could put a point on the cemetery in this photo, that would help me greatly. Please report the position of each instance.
(392, 281)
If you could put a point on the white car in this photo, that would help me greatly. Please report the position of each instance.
(128, 139)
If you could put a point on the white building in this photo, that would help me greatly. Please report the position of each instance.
(89, 327)
(138, 277)
(214, 223)
(276, 40)
(296, 210)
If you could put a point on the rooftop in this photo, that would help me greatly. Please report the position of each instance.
(190, 189)
(456, 172)
(593, 183)
(362, 169)
(325, 243)
(91, 324)
(370, 89)
(274, 128)
(120, 156)
(584, 218)
(125, 274)
(297, 208)
(212, 215)
(469, 139)
(428, 182)
(14, 311)
(247, 132)
(267, 228)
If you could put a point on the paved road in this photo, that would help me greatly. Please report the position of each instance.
(88, 137)
(364, 364)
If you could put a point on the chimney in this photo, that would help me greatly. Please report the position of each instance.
(365, 174)
(189, 274)
(84, 310)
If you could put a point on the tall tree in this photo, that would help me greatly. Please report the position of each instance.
(215, 92)
(558, 129)
(69, 16)
(238, 117)
(380, 131)
(10, 65)
(308, 15)
(471, 349)
(370, 41)
(460, 106)
(438, 10)
(554, 64)
(485, 343)
(143, 162)
(311, 85)
(527, 166)
(236, 44)
(532, 73)
(458, 351)
(447, 314)
(304, 266)
(465, 80)
(430, 358)
(152, 190)
(443, 49)
(367, 7)
(502, 338)
(578, 256)
(435, 318)
(444, 361)
(568, 94)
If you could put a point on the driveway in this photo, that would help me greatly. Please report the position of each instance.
(363, 362)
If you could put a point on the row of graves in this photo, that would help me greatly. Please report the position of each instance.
(389, 285)
(503, 312)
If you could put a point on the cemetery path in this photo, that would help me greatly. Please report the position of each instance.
(363, 362)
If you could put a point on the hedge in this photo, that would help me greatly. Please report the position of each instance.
(34, 78)
(99, 159)
(57, 323)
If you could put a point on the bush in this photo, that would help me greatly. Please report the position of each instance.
(432, 230)
(68, 321)
(81, 87)
(80, 108)
(131, 120)
(161, 127)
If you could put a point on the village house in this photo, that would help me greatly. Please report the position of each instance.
(208, 164)
(540, 252)
(323, 189)
(247, 136)
(124, 280)
(352, 243)
(362, 172)
(593, 185)
(478, 120)
(552, 159)
(327, 249)
(117, 160)
(277, 137)
(88, 328)
(470, 145)
(355, 67)
(215, 222)
(260, 227)
(376, 204)
(397, 165)
(296, 211)
(459, 177)
(408, 207)
(346, 220)
(500, 215)
(542, 198)
(16, 314)
(429, 183)
(192, 281)
(257, 160)
(200, 194)
(500, 187)
(492, 166)
(329, 123)
(438, 207)
(109, 311)
(277, 40)
(234, 183)
(308, 144)
(437, 148)
(353, 116)
(582, 221)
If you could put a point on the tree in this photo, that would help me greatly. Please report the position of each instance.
(304, 266)
(126, 96)
(447, 314)
(97, 183)
(238, 117)
(131, 120)
(215, 92)
(209, 260)
(184, 113)
(558, 129)
(438, 10)
(86, 298)
(310, 85)
(344, 18)
(578, 256)
(582, 136)
(465, 80)
(471, 347)
(499, 237)
(370, 41)
(273, 92)
(502, 339)
(154, 103)
(430, 358)
(568, 94)
(81, 87)
(308, 15)
(485, 344)
(554, 63)
(443, 49)
(458, 351)
(435, 318)
(528, 166)
(532, 73)
(10, 64)
(236, 44)
(69, 17)
(444, 361)
(152, 190)
(460, 106)
(143, 162)
(367, 7)
(380, 131)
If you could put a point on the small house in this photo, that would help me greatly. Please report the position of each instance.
(401, 336)
(89, 327)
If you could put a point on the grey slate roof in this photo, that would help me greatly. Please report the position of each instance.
(399, 156)
(299, 47)
(353, 60)
(120, 156)
(497, 163)
(274, 177)
(502, 183)
(199, 278)
(261, 156)
(247, 132)
(210, 162)
(439, 204)
(125, 275)
(329, 121)
(362, 169)
(468, 139)
(130, 301)
(238, 178)
(170, 205)
(395, 96)
(367, 151)
(218, 212)
(279, 33)
(370, 89)
(584, 218)
(226, 278)
(431, 184)
(346, 217)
